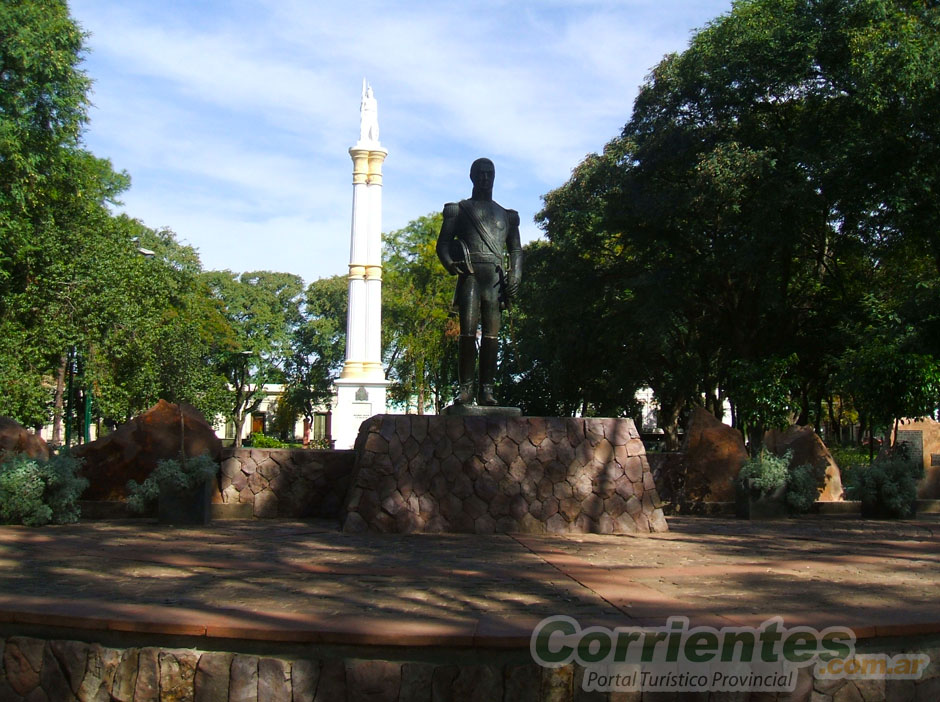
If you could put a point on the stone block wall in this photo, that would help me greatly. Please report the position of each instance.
(33, 669)
(286, 483)
(501, 474)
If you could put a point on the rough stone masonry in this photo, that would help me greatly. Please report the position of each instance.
(502, 474)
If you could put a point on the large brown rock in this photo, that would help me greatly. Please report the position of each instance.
(807, 447)
(16, 439)
(714, 454)
(922, 437)
(131, 452)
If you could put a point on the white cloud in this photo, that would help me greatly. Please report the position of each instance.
(234, 118)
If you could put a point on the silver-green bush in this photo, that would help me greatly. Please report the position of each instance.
(171, 472)
(34, 492)
(803, 487)
(888, 487)
(766, 473)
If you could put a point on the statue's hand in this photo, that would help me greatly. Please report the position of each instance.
(512, 287)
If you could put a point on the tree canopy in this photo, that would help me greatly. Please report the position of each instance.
(419, 331)
(762, 233)
(731, 233)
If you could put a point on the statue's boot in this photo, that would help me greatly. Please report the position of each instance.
(466, 366)
(489, 346)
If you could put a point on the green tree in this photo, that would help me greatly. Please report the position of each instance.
(43, 103)
(317, 349)
(743, 211)
(172, 332)
(420, 343)
(263, 310)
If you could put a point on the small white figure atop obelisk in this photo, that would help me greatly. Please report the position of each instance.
(368, 116)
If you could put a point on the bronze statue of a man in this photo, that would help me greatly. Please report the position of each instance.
(476, 236)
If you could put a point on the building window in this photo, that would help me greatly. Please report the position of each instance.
(318, 430)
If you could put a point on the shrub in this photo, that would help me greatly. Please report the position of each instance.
(259, 440)
(847, 456)
(34, 492)
(803, 487)
(767, 473)
(888, 487)
(171, 473)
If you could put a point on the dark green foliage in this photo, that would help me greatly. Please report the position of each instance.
(181, 475)
(803, 487)
(764, 228)
(887, 487)
(34, 492)
(419, 335)
(848, 456)
(259, 440)
(262, 310)
(767, 473)
(316, 351)
(72, 281)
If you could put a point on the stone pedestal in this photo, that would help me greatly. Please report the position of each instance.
(356, 400)
(481, 411)
(501, 474)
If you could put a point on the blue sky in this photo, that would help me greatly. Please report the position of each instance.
(234, 118)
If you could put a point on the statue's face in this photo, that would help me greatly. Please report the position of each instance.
(482, 174)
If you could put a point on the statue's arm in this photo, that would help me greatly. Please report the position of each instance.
(444, 239)
(514, 247)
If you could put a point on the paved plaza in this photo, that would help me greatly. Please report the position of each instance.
(306, 582)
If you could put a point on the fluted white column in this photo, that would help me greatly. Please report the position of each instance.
(361, 387)
(357, 313)
(373, 274)
(364, 318)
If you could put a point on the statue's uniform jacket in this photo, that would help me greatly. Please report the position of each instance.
(478, 295)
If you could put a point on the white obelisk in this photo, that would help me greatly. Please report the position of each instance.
(360, 389)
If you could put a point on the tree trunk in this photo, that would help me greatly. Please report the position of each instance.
(59, 401)
(835, 428)
(803, 418)
(239, 423)
(668, 421)
(755, 439)
(713, 404)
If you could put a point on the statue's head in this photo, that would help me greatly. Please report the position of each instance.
(482, 174)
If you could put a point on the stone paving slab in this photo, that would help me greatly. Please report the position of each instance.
(307, 582)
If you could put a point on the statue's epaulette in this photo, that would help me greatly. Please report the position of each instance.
(451, 209)
(513, 218)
